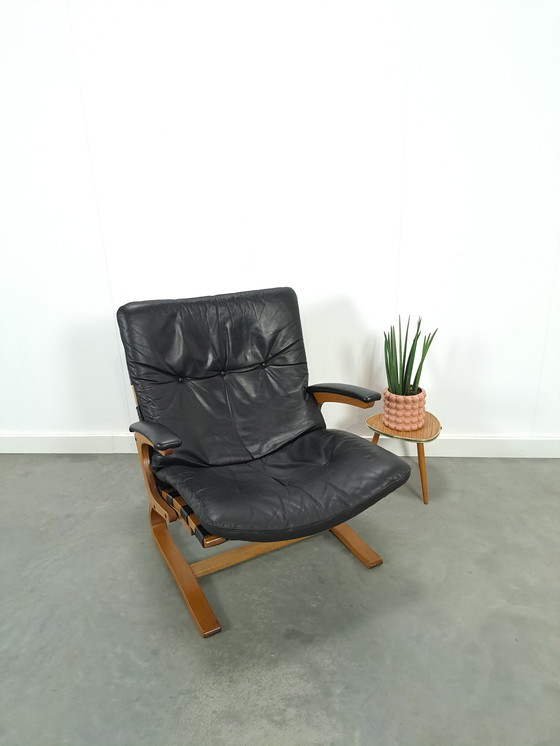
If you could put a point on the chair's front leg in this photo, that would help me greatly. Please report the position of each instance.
(160, 515)
(191, 591)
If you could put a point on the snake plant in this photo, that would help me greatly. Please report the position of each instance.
(399, 360)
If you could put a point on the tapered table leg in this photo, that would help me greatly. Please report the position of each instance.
(428, 432)
(423, 475)
(375, 438)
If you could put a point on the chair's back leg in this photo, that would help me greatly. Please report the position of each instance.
(356, 545)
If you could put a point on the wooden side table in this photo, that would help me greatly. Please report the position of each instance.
(430, 431)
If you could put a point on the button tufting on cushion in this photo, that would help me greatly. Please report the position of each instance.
(213, 338)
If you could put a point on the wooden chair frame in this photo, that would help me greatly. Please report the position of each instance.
(166, 506)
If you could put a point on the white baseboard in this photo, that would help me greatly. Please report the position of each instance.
(450, 445)
(68, 443)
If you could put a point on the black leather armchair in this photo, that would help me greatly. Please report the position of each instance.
(231, 437)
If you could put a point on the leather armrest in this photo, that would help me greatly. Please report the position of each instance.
(160, 436)
(358, 396)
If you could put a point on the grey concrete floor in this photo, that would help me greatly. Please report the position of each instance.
(453, 641)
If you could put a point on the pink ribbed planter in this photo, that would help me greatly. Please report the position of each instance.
(404, 413)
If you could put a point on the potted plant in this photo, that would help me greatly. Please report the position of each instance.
(404, 401)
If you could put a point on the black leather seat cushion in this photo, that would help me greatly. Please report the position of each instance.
(320, 479)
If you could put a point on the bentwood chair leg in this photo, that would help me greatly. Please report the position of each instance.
(356, 545)
(195, 599)
(423, 475)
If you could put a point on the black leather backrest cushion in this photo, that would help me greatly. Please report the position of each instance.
(227, 373)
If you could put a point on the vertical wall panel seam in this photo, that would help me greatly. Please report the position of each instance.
(547, 332)
(124, 373)
(403, 157)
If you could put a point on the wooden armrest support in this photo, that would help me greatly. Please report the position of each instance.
(158, 436)
(144, 447)
(357, 396)
(141, 440)
(321, 397)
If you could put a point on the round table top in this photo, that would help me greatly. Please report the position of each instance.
(429, 431)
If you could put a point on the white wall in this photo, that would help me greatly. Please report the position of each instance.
(378, 157)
